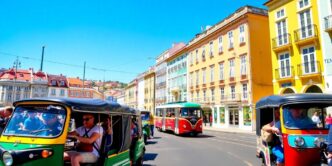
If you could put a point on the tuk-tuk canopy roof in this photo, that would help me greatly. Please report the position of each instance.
(277, 100)
(86, 105)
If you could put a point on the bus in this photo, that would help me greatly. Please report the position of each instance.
(179, 117)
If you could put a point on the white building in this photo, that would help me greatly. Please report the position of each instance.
(140, 91)
(160, 86)
(57, 86)
(39, 84)
(325, 18)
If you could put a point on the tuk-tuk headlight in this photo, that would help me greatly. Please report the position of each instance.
(7, 159)
(299, 141)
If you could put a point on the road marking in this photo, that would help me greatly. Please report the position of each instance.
(236, 156)
(251, 146)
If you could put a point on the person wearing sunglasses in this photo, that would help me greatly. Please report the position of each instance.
(89, 137)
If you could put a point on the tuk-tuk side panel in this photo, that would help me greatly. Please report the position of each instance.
(300, 156)
(56, 159)
(122, 159)
(139, 149)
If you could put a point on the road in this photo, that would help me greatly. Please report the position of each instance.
(210, 148)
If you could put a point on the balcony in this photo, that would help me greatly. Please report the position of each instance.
(284, 73)
(306, 35)
(328, 23)
(236, 97)
(282, 42)
(309, 69)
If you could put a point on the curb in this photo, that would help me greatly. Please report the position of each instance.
(230, 131)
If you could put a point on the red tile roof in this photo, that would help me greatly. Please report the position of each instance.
(21, 75)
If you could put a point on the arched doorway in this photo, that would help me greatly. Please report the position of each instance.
(314, 89)
(288, 91)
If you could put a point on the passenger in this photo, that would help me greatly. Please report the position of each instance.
(134, 136)
(315, 118)
(295, 118)
(32, 122)
(18, 120)
(51, 122)
(4, 116)
(328, 121)
(275, 128)
(89, 136)
(108, 133)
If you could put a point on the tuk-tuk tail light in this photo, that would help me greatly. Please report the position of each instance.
(299, 141)
(46, 153)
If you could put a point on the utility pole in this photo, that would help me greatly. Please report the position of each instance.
(83, 78)
(17, 64)
(42, 59)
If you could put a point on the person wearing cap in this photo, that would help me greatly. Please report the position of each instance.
(52, 125)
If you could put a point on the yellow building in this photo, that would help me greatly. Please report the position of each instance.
(229, 67)
(149, 90)
(131, 94)
(296, 52)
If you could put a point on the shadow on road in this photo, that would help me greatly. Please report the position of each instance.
(198, 136)
(151, 142)
(150, 156)
(156, 138)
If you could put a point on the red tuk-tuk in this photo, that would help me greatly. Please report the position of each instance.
(302, 124)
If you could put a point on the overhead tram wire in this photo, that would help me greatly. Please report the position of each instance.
(71, 65)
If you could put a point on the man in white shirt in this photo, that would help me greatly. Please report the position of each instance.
(89, 133)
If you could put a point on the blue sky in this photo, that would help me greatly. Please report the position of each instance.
(124, 37)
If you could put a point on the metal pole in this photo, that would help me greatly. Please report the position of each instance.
(42, 59)
(83, 78)
(17, 63)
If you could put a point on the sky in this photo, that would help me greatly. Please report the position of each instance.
(122, 37)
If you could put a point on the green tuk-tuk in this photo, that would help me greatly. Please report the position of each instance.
(40, 145)
(145, 116)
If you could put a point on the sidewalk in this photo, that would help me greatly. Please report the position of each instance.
(228, 130)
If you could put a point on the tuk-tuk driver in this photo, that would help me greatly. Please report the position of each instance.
(275, 128)
(89, 133)
(296, 118)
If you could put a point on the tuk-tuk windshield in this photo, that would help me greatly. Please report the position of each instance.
(145, 115)
(191, 112)
(309, 117)
(36, 121)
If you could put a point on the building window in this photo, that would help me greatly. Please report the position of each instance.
(212, 94)
(284, 62)
(306, 26)
(62, 83)
(204, 75)
(243, 65)
(282, 33)
(204, 95)
(220, 48)
(212, 73)
(191, 79)
(211, 49)
(230, 40)
(9, 97)
(303, 3)
(191, 58)
(222, 93)
(196, 56)
(309, 60)
(233, 92)
(53, 92)
(25, 96)
(244, 91)
(231, 68)
(242, 34)
(203, 53)
(280, 14)
(53, 82)
(18, 96)
(221, 71)
(197, 78)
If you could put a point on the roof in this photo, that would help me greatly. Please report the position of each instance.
(277, 100)
(21, 75)
(58, 79)
(180, 104)
(86, 105)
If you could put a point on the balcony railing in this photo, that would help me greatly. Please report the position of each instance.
(308, 68)
(306, 32)
(284, 72)
(328, 23)
(281, 40)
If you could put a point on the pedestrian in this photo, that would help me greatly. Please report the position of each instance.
(151, 121)
(210, 120)
(328, 121)
(329, 146)
(204, 119)
(5, 114)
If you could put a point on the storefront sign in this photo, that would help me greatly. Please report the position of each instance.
(246, 116)
(287, 84)
(222, 115)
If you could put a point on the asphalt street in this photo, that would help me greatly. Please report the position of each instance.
(208, 149)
